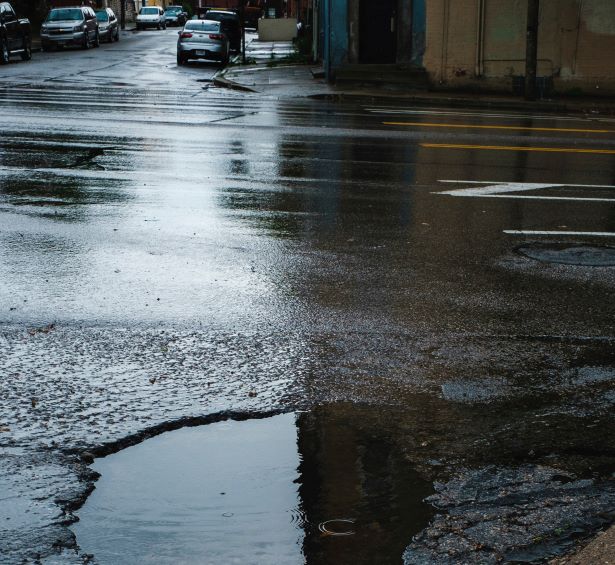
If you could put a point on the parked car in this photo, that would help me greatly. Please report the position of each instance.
(151, 16)
(202, 39)
(175, 15)
(230, 25)
(108, 26)
(70, 26)
(14, 35)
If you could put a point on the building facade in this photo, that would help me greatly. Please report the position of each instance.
(480, 45)
(476, 45)
(362, 32)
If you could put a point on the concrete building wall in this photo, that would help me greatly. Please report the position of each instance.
(480, 44)
(115, 5)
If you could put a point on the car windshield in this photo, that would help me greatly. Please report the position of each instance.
(172, 11)
(218, 16)
(102, 16)
(149, 11)
(62, 15)
(202, 26)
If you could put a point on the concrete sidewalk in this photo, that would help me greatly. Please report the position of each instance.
(273, 72)
(288, 80)
(600, 551)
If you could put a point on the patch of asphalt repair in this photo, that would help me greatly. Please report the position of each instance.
(517, 515)
(570, 254)
(71, 394)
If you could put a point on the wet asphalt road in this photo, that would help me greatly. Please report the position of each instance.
(171, 251)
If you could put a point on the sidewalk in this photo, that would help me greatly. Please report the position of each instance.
(273, 72)
(600, 551)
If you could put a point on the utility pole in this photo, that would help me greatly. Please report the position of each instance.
(531, 51)
(123, 14)
(242, 17)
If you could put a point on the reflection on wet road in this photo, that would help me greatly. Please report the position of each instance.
(199, 251)
(260, 491)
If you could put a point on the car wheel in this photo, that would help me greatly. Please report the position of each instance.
(4, 51)
(26, 54)
(117, 35)
(180, 60)
(86, 41)
(158, 27)
(97, 39)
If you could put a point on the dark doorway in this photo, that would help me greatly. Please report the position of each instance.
(377, 31)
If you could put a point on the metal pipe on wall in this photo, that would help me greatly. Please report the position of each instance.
(443, 61)
(480, 39)
(531, 50)
(576, 43)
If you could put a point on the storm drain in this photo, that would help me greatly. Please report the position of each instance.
(288, 489)
(567, 254)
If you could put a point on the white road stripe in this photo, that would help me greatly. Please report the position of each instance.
(483, 189)
(528, 197)
(574, 233)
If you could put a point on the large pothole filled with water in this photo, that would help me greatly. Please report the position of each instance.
(294, 488)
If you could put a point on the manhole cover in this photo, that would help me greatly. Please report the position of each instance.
(567, 254)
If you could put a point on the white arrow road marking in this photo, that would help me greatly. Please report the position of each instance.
(503, 190)
(487, 189)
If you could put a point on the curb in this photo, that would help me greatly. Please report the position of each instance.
(547, 107)
(222, 82)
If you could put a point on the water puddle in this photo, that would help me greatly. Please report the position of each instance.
(295, 488)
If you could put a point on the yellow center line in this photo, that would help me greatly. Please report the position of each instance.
(513, 128)
(507, 148)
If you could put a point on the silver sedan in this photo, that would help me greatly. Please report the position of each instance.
(202, 39)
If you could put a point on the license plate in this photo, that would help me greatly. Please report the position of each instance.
(201, 53)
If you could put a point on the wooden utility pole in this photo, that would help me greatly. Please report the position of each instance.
(123, 14)
(531, 51)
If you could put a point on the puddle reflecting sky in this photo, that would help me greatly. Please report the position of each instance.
(254, 492)
(213, 494)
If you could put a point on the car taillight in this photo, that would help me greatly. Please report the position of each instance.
(185, 35)
(216, 36)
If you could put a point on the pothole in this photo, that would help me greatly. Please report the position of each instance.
(570, 254)
(257, 491)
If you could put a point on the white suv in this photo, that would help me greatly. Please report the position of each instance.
(151, 16)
